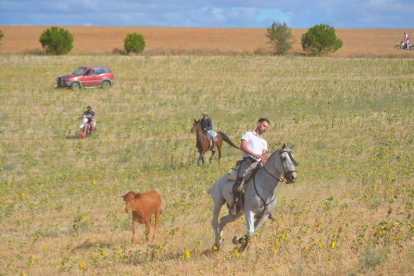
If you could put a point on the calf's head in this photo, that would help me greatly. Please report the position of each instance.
(130, 199)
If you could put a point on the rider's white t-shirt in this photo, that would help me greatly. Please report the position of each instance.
(255, 144)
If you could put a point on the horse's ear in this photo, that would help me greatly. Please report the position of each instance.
(284, 146)
(292, 146)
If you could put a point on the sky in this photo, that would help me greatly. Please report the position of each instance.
(344, 14)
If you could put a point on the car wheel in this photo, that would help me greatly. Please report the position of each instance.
(75, 86)
(106, 85)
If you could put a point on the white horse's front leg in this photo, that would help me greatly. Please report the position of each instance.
(250, 231)
(259, 222)
(214, 224)
(250, 223)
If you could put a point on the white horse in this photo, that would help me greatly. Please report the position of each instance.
(260, 196)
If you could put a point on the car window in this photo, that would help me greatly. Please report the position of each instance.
(106, 70)
(79, 71)
(100, 71)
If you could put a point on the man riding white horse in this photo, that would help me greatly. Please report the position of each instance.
(259, 198)
(254, 148)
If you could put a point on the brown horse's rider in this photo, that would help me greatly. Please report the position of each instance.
(254, 148)
(207, 127)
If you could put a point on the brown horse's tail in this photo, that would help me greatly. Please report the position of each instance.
(227, 140)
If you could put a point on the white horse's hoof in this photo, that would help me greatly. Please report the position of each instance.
(216, 247)
(236, 240)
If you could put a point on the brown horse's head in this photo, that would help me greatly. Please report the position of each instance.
(196, 126)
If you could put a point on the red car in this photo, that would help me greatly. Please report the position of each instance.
(92, 75)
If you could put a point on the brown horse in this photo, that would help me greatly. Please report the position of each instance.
(203, 144)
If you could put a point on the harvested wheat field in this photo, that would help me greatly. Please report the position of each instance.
(94, 40)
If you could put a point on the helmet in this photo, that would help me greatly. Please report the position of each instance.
(405, 32)
(89, 107)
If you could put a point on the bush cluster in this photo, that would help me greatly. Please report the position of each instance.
(320, 39)
(1, 35)
(56, 41)
(280, 37)
(134, 43)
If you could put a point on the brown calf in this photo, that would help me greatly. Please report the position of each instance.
(143, 206)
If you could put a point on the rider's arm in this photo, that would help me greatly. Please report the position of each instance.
(264, 156)
(209, 124)
(243, 147)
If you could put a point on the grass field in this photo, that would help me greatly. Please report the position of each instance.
(208, 41)
(350, 212)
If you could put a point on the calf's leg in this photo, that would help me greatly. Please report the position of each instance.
(134, 230)
(157, 217)
(148, 225)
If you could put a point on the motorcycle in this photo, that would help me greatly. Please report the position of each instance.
(402, 46)
(88, 127)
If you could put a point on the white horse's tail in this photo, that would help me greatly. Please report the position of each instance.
(209, 190)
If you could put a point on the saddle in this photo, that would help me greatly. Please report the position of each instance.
(238, 194)
(210, 140)
(247, 176)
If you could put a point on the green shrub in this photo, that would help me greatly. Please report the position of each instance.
(56, 41)
(1, 35)
(320, 39)
(280, 37)
(134, 43)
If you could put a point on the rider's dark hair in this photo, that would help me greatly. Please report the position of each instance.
(261, 120)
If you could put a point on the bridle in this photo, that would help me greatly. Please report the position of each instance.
(284, 169)
(284, 178)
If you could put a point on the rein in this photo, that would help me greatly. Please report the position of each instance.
(254, 185)
(264, 202)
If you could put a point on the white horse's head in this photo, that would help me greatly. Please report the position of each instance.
(285, 163)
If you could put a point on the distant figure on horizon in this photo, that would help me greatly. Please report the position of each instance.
(407, 40)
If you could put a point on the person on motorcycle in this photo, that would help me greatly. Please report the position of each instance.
(88, 114)
(407, 40)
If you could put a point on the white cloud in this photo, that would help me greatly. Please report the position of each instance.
(210, 13)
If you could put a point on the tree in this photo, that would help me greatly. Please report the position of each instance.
(134, 43)
(280, 35)
(56, 41)
(320, 39)
(1, 35)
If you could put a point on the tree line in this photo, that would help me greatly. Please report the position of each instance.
(318, 40)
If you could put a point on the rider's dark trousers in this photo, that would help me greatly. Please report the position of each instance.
(245, 163)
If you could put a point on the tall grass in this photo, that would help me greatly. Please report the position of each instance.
(351, 211)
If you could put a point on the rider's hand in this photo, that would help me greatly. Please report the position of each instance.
(257, 156)
(264, 159)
